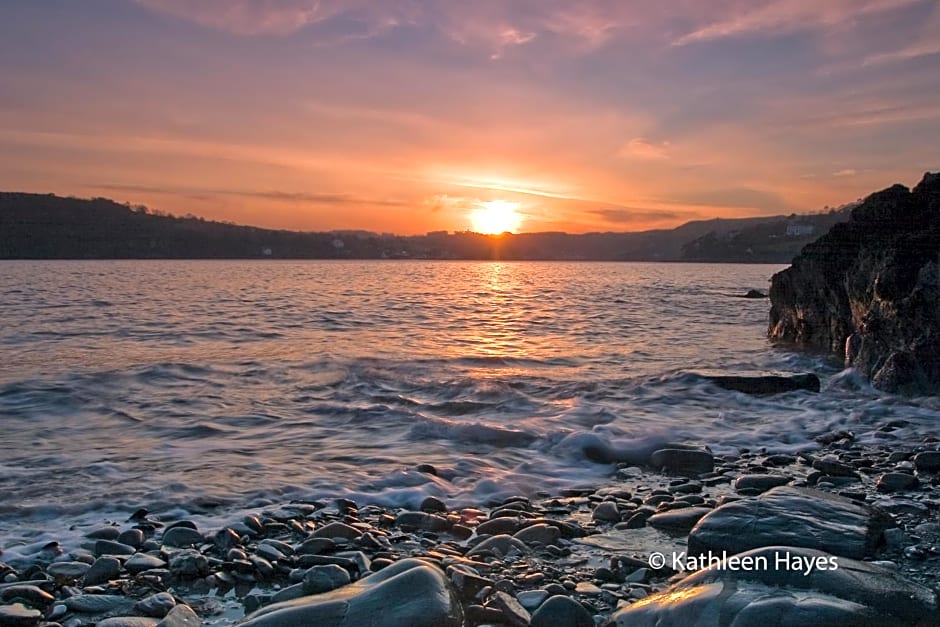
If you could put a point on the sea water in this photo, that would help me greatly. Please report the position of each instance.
(206, 389)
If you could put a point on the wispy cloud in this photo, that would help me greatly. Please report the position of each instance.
(492, 25)
(284, 17)
(643, 148)
(247, 17)
(786, 16)
(925, 43)
(272, 195)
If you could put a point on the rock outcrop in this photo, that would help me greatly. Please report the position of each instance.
(869, 290)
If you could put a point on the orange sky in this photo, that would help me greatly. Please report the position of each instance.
(404, 117)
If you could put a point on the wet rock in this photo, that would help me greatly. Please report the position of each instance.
(895, 482)
(681, 461)
(113, 547)
(131, 537)
(337, 530)
(532, 599)
(769, 384)
(189, 563)
(421, 520)
(409, 593)
(315, 546)
(561, 611)
(760, 483)
(798, 517)
(98, 603)
(432, 504)
(500, 526)
(779, 459)
(128, 621)
(679, 519)
(68, 570)
(324, 578)
(498, 545)
(606, 512)
(637, 521)
(467, 582)
(142, 562)
(103, 570)
(512, 611)
(156, 605)
(927, 461)
(182, 537)
(838, 591)
(181, 616)
(268, 552)
(830, 465)
(226, 538)
(18, 614)
(361, 562)
(104, 533)
(588, 588)
(30, 594)
(539, 534)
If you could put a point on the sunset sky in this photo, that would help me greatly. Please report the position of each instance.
(407, 115)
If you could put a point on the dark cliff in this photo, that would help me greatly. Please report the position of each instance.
(869, 290)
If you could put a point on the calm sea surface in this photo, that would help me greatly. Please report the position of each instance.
(208, 388)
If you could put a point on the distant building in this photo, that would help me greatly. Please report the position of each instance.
(800, 229)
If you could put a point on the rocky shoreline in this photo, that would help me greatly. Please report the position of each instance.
(846, 535)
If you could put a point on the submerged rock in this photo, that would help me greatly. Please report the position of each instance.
(798, 517)
(682, 461)
(767, 384)
(927, 461)
(869, 290)
(778, 590)
(408, 593)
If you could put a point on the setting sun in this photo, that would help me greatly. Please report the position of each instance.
(496, 216)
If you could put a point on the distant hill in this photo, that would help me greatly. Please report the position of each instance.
(777, 240)
(44, 226)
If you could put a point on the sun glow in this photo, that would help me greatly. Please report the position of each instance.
(496, 216)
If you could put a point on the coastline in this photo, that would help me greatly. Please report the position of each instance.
(501, 561)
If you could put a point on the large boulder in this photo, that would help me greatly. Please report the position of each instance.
(869, 290)
(408, 593)
(789, 516)
(774, 586)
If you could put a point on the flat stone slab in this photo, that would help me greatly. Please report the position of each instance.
(781, 590)
(408, 593)
(789, 516)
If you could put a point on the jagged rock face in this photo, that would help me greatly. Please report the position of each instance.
(869, 290)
